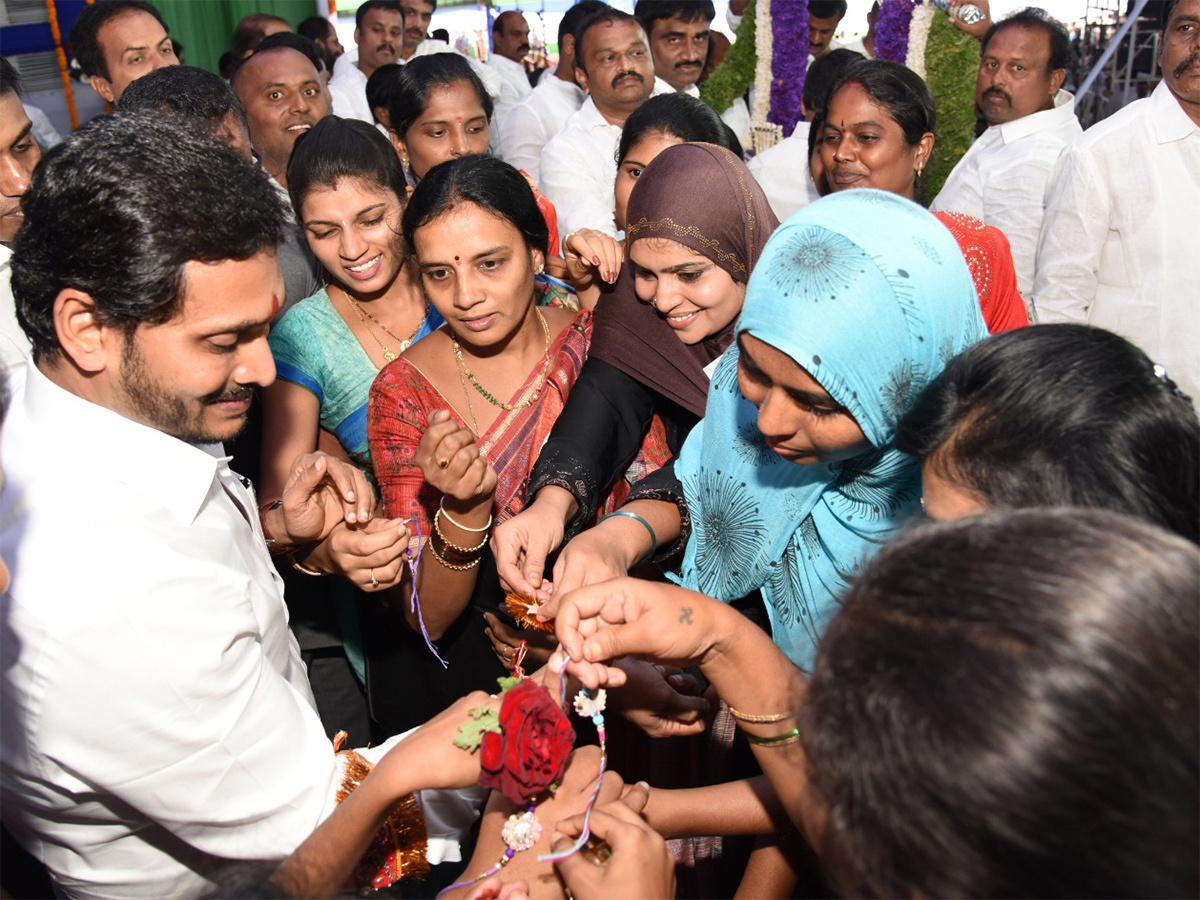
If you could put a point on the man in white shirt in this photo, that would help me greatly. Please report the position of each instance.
(156, 718)
(1002, 178)
(19, 155)
(528, 126)
(510, 43)
(866, 44)
(1118, 242)
(613, 64)
(679, 32)
(378, 33)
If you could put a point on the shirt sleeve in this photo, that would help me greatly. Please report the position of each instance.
(523, 139)
(170, 704)
(1072, 239)
(580, 193)
(1014, 201)
(596, 437)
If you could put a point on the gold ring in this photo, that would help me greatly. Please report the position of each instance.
(443, 462)
(374, 583)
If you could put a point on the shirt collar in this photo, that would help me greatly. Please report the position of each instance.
(175, 473)
(590, 117)
(1063, 109)
(1167, 118)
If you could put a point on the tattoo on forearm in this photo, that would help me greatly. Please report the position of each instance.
(685, 617)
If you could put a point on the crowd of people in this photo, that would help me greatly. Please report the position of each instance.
(346, 388)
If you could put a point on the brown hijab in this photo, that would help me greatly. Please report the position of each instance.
(702, 196)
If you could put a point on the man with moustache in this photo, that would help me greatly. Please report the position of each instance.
(510, 43)
(156, 716)
(378, 32)
(1118, 242)
(19, 155)
(283, 97)
(679, 33)
(117, 41)
(530, 125)
(1002, 179)
(613, 65)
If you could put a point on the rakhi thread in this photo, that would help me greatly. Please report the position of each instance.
(415, 603)
(588, 705)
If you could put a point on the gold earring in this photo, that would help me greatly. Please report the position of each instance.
(920, 169)
(541, 268)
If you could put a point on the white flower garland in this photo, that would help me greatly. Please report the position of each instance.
(763, 45)
(918, 37)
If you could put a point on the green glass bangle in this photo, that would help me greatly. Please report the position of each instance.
(653, 537)
(788, 737)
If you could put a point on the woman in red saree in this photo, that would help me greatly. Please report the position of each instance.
(455, 424)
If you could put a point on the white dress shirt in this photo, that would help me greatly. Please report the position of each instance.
(348, 87)
(514, 86)
(529, 126)
(1001, 180)
(1118, 243)
(14, 345)
(156, 714)
(783, 173)
(737, 116)
(579, 168)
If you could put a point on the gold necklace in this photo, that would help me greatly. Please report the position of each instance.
(464, 372)
(364, 314)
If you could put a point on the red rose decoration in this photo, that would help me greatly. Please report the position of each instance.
(531, 752)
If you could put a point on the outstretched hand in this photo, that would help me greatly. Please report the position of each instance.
(320, 492)
(627, 616)
(640, 864)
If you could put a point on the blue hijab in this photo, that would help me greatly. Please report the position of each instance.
(869, 293)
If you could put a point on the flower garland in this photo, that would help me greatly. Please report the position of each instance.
(735, 74)
(918, 38)
(891, 30)
(764, 44)
(788, 27)
(951, 61)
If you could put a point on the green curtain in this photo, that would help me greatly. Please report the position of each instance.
(205, 27)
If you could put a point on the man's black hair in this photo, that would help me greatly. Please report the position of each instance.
(184, 90)
(823, 72)
(650, 11)
(294, 41)
(360, 13)
(1038, 20)
(118, 210)
(315, 28)
(10, 81)
(251, 31)
(84, 43)
(827, 9)
(576, 14)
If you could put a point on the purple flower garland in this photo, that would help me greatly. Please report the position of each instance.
(789, 61)
(891, 32)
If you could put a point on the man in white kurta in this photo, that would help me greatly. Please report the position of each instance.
(156, 722)
(1118, 244)
(378, 32)
(510, 43)
(579, 165)
(1001, 180)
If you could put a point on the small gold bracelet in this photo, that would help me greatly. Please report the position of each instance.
(300, 567)
(759, 720)
(454, 567)
(459, 525)
(478, 548)
(779, 740)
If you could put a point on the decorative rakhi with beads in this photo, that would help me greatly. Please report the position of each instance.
(523, 752)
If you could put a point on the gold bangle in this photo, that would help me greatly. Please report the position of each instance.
(478, 548)
(459, 525)
(300, 567)
(759, 720)
(454, 567)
